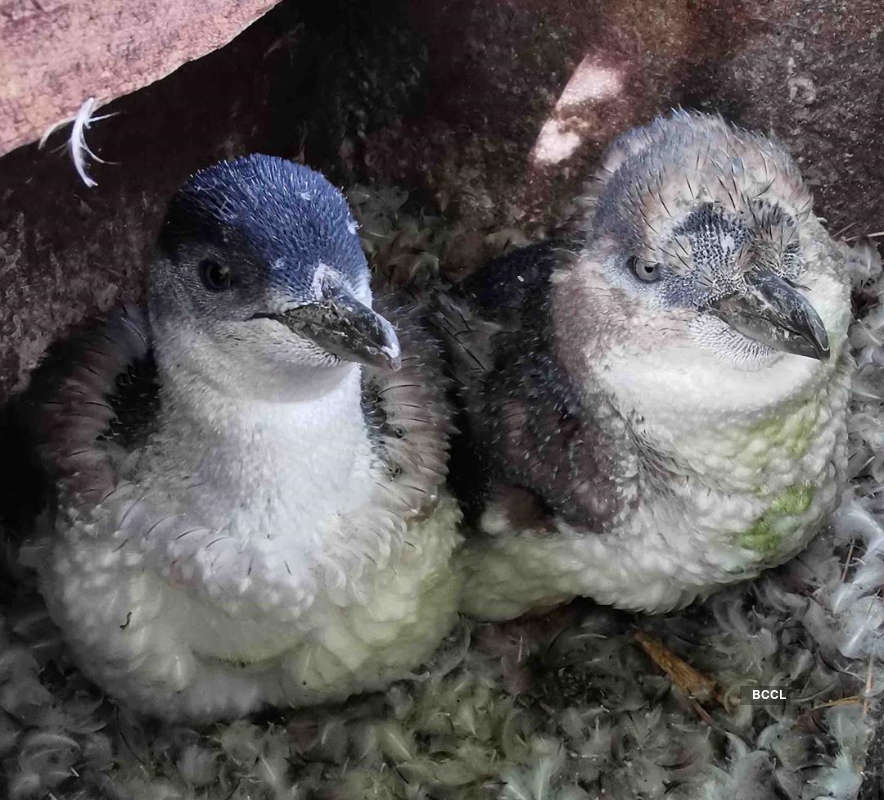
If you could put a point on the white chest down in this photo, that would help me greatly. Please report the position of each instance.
(260, 563)
(738, 499)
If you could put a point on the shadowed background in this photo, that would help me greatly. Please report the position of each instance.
(493, 112)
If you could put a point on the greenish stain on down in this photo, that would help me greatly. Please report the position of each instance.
(794, 432)
(765, 535)
(802, 437)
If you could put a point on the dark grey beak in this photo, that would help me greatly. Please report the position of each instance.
(343, 326)
(773, 312)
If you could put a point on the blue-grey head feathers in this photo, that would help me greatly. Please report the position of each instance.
(278, 219)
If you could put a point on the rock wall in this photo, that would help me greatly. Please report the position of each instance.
(57, 53)
(493, 111)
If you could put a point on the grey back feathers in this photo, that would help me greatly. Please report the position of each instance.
(525, 424)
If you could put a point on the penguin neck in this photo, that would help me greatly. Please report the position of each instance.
(260, 466)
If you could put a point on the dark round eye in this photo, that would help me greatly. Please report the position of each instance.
(644, 270)
(215, 277)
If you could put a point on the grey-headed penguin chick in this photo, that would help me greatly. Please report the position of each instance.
(657, 400)
(250, 505)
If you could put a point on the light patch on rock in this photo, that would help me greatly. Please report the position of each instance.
(560, 135)
(590, 81)
(555, 143)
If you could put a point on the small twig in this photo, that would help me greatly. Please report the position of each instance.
(841, 701)
(701, 712)
(693, 683)
(876, 235)
(847, 560)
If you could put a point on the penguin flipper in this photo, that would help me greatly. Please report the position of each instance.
(90, 402)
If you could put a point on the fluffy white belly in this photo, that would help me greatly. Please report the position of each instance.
(166, 648)
(740, 504)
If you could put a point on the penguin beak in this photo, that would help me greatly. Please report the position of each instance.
(772, 311)
(345, 327)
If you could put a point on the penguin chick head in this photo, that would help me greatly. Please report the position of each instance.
(700, 265)
(260, 284)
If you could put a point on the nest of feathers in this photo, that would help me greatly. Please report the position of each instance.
(586, 702)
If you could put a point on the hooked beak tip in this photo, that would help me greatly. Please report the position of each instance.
(811, 339)
(345, 327)
(772, 311)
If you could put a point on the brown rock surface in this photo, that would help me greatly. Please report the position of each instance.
(54, 54)
(512, 82)
(493, 110)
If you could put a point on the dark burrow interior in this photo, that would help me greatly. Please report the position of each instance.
(449, 124)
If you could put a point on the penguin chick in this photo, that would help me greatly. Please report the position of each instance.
(250, 502)
(658, 399)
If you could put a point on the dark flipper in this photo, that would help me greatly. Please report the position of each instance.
(407, 412)
(92, 398)
(527, 430)
(511, 287)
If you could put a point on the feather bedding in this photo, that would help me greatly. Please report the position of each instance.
(565, 707)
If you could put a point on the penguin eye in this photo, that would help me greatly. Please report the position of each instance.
(643, 270)
(215, 277)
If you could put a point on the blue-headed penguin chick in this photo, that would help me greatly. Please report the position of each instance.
(250, 506)
(658, 399)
